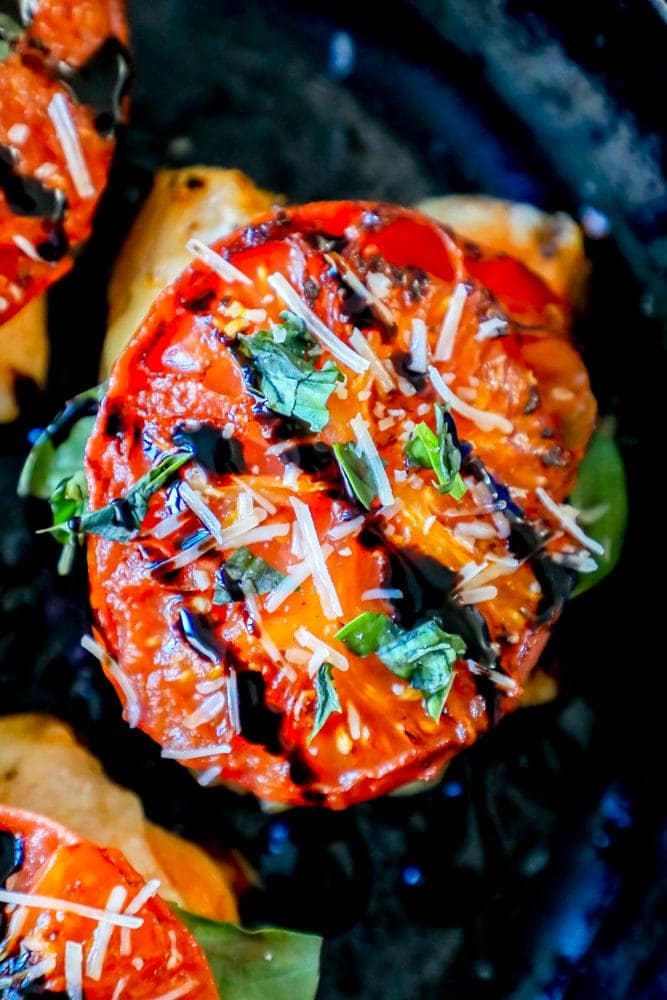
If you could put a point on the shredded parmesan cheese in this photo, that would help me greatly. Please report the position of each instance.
(68, 137)
(179, 991)
(201, 510)
(382, 594)
(490, 328)
(450, 324)
(476, 595)
(567, 522)
(223, 267)
(419, 347)
(37, 902)
(326, 337)
(102, 934)
(74, 970)
(363, 348)
(233, 701)
(372, 456)
(209, 709)
(28, 248)
(296, 575)
(309, 641)
(347, 528)
(322, 581)
(197, 753)
(132, 703)
(485, 420)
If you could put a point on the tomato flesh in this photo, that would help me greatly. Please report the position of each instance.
(64, 50)
(183, 369)
(162, 954)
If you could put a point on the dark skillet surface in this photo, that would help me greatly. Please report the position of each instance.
(537, 869)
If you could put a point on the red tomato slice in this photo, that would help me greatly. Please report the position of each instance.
(64, 71)
(231, 689)
(160, 957)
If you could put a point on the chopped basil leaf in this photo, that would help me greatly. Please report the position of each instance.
(327, 699)
(268, 964)
(367, 632)
(59, 450)
(287, 379)
(423, 656)
(356, 472)
(244, 573)
(121, 519)
(68, 501)
(601, 488)
(437, 450)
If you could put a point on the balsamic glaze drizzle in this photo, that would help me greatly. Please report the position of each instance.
(102, 83)
(215, 452)
(27, 196)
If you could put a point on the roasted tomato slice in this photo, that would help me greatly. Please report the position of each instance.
(74, 917)
(320, 482)
(64, 68)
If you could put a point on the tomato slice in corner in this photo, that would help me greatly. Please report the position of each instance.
(160, 955)
(257, 691)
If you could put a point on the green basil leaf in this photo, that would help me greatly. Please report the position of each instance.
(367, 632)
(436, 450)
(601, 487)
(423, 656)
(121, 519)
(268, 964)
(59, 450)
(248, 574)
(327, 699)
(357, 473)
(68, 501)
(289, 382)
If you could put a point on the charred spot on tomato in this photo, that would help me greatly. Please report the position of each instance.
(325, 242)
(11, 855)
(311, 289)
(259, 723)
(195, 183)
(314, 459)
(28, 196)
(554, 457)
(210, 447)
(102, 83)
(113, 426)
(533, 400)
(200, 303)
(197, 632)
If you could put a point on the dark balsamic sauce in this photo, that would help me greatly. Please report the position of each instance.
(259, 724)
(213, 451)
(198, 634)
(27, 196)
(11, 855)
(401, 362)
(314, 458)
(55, 246)
(102, 83)
(325, 242)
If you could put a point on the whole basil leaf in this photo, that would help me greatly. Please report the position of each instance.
(268, 964)
(58, 452)
(601, 485)
(357, 473)
(367, 632)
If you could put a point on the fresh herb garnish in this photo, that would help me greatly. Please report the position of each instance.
(356, 473)
(288, 380)
(601, 488)
(424, 656)
(243, 573)
(437, 450)
(269, 964)
(326, 699)
(121, 519)
(59, 450)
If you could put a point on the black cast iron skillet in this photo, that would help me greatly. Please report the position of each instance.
(537, 870)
